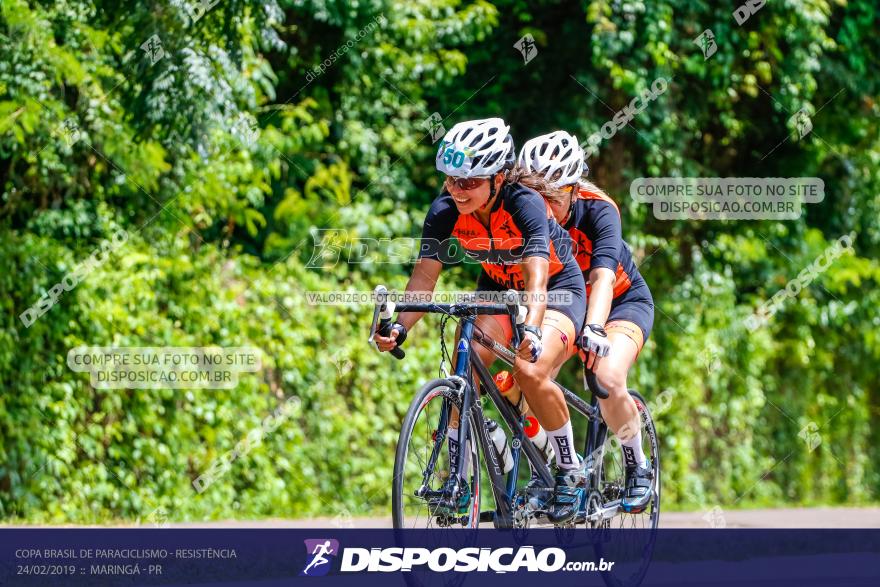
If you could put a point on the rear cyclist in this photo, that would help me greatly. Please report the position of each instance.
(510, 229)
(620, 309)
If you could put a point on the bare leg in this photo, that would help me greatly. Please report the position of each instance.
(619, 409)
(545, 399)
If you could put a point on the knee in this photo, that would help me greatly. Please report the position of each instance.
(529, 376)
(614, 381)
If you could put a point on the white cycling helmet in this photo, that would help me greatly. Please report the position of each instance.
(476, 148)
(557, 156)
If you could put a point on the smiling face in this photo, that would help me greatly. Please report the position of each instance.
(470, 199)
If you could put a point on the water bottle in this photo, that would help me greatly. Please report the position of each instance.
(511, 391)
(499, 441)
(539, 438)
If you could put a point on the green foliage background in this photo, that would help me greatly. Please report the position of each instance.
(222, 151)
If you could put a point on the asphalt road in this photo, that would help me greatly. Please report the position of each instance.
(767, 518)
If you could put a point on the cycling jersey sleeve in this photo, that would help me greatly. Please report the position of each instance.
(529, 213)
(438, 227)
(606, 234)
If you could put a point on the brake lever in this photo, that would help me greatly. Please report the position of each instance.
(381, 295)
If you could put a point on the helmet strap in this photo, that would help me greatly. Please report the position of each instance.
(491, 195)
(567, 218)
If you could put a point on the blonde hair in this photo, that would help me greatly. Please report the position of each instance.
(529, 179)
(591, 187)
(538, 183)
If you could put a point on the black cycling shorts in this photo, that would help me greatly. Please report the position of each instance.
(635, 305)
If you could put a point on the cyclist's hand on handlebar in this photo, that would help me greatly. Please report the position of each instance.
(530, 347)
(386, 343)
(594, 343)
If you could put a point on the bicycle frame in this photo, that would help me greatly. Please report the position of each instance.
(468, 363)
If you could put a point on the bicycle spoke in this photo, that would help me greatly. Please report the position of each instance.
(631, 550)
(426, 466)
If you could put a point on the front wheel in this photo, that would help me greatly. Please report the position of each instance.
(421, 464)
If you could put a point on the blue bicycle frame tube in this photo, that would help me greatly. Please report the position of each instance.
(462, 360)
(463, 350)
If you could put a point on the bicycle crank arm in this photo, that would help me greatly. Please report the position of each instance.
(604, 513)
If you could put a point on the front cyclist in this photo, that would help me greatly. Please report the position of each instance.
(511, 230)
(620, 312)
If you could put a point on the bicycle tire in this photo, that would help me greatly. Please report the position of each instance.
(429, 392)
(649, 533)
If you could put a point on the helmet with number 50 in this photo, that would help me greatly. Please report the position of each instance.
(557, 156)
(476, 148)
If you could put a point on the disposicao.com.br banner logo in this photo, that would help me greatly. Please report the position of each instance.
(443, 560)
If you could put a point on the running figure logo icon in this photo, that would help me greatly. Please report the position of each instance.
(319, 552)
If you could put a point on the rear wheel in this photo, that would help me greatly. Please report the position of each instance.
(421, 465)
(631, 551)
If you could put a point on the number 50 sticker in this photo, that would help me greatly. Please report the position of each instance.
(453, 157)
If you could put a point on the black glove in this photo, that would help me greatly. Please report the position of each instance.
(401, 332)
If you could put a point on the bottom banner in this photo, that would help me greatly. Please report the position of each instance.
(438, 558)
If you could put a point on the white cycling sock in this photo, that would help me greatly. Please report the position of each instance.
(563, 446)
(532, 473)
(633, 454)
(454, 452)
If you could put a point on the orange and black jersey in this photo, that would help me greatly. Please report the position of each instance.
(521, 225)
(594, 226)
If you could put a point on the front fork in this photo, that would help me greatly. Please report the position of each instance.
(435, 451)
(466, 391)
